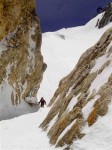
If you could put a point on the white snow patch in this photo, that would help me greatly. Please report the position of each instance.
(23, 133)
(32, 46)
(3, 46)
(8, 70)
(109, 46)
(102, 60)
(52, 122)
(99, 62)
(70, 89)
(32, 100)
(72, 103)
(66, 129)
(101, 79)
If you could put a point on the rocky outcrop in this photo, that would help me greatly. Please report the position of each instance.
(83, 95)
(106, 16)
(21, 62)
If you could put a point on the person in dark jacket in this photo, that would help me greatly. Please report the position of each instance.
(42, 102)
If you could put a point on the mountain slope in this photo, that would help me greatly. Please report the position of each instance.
(83, 95)
(62, 47)
(23, 132)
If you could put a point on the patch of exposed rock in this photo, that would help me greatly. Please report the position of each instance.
(106, 16)
(21, 62)
(83, 95)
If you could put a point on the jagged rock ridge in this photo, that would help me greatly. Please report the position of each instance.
(106, 16)
(83, 95)
(21, 62)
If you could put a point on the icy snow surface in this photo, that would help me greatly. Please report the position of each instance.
(61, 51)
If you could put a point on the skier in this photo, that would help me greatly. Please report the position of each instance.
(42, 102)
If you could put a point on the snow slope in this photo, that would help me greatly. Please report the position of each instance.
(22, 133)
(61, 51)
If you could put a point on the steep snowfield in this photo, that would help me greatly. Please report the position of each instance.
(22, 133)
(61, 51)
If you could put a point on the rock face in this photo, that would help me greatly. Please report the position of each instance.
(21, 62)
(107, 16)
(83, 95)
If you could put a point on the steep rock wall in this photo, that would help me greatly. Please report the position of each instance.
(21, 62)
(83, 95)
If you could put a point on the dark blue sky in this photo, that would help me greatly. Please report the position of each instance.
(57, 14)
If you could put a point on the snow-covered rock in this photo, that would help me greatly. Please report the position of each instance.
(88, 87)
(106, 17)
(21, 62)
